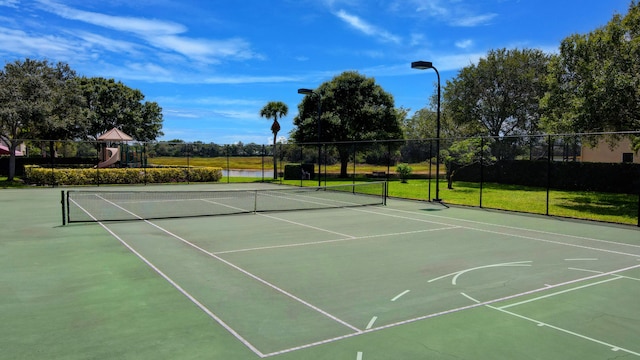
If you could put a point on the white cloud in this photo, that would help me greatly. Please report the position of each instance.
(230, 79)
(463, 44)
(204, 50)
(366, 28)
(186, 114)
(433, 8)
(164, 35)
(455, 13)
(130, 24)
(475, 20)
(20, 42)
(112, 45)
(457, 62)
(417, 39)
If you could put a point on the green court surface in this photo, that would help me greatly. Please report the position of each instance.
(409, 280)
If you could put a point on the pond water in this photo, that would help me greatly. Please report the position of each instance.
(248, 173)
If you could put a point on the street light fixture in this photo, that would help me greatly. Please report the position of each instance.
(424, 65)
(311, 92)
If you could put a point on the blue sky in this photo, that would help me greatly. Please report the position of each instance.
(213, 64)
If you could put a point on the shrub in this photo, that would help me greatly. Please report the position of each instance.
(43, 176)
(404, 170)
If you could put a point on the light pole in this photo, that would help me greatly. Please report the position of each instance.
(311, 92)
(423, 65)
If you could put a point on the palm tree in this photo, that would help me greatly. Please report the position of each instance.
(275, 110)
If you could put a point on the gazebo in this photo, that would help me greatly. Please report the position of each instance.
(110, 155)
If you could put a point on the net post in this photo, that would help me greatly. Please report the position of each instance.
(385, 193)
(255, 201)
(64, 208)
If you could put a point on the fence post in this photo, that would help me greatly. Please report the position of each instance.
(354, 163)
(64, 208)
(227, 163)
(186, 148)
(430, 163)
(481, 167)
(325, 164)
(388, 160)
(549, 156)
(144, 161)
(263, 150)
(52, 151)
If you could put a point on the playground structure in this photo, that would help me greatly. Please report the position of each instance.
(116, 152)
(122, 155)
(109, 156)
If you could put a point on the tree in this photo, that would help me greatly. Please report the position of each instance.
(502, 93)
(594, 83)
(113, 104)
(466, 152)
(37, 99)
(67, 114)
(274, 110)
(354, 108)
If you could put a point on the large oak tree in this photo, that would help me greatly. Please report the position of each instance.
(112, 104)
(353, 108)
(38, 100)
(594, 83)
(501, 94)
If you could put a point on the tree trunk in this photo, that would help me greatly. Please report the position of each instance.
(344, 160)
(275, 157)
(12, 159)
(52, 152)
(12, 165)
(450, 179)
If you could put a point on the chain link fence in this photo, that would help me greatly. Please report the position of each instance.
(567, 175)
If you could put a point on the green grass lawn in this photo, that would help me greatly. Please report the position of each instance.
(16, 183)
(614, 208)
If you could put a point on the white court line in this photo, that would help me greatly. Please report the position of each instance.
(629, 277)
(470, 298)
(507, 227)
(359, 332)
(180, 289)
(540, 323)
(458, 273)
(359, 355)
(371, 322)
(308, 226)
(451, 311)
(253, 276)
(585, 270)
(400, 295)
(257, 278)
(512, 235)
(584, 259)
(559, 292)
(351, 238)
(188, 295)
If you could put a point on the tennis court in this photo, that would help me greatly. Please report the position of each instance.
(377, 279)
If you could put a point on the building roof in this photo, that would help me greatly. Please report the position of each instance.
(115, 135)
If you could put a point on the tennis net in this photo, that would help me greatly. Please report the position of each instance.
(94, 206)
